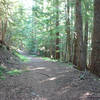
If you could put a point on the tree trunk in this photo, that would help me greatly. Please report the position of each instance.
(68, 38)
(79, 31)
(75, 50)
(4, 30)
(95, 56)
(0, 30)
(86, 42)
(57, 33)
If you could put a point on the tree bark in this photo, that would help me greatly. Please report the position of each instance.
(79, 33)
(0, 30)
(95, 56)
(68, 38)
(57, 33)
(75, 50)
(86, 42)
(4, 30)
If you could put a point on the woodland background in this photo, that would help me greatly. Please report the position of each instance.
(66, 30)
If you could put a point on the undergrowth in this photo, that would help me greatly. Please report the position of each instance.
(14, 72)
(4, 72)
(21, 57)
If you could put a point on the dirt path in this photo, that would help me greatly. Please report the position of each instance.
(47, 80)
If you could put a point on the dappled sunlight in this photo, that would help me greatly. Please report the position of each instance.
(49, 79)
(52, 78)
(49, 49)
(85, 95)
(32, 68)
(38, 68)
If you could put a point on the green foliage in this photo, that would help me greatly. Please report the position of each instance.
(14, 72)
(2, 72)
(30, 46)
(35, 29)
(21, 57)
(2, 69)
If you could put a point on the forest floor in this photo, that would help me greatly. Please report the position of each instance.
(48, 80)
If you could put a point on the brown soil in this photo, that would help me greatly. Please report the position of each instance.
(47, 80)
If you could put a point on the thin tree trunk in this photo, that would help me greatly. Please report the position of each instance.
(0, 30)
(57, 33)
(86, 42)
(4, 30)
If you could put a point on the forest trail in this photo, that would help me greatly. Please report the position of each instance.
(47, 80)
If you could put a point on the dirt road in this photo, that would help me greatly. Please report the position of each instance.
(46, 80)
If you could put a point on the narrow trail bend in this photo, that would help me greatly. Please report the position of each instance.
(46, 80)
